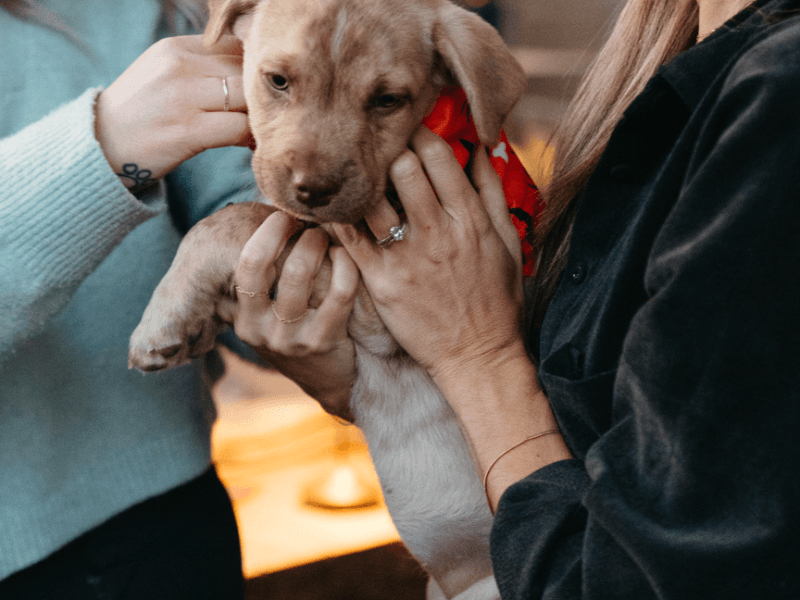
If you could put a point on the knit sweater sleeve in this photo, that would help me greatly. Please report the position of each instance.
(62, 211)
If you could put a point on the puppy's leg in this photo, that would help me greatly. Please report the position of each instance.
(195, 299)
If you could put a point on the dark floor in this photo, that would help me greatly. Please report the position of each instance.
(385, 573)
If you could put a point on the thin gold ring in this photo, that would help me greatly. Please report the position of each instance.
(287, 321)
(251, 294)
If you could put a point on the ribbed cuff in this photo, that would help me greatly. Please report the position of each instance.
(63, 208)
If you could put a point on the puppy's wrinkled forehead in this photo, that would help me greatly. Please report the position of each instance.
(350, 42)
(349, 31)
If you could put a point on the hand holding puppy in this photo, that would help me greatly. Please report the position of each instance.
(169, 105)
(451, 291)
(306, 339)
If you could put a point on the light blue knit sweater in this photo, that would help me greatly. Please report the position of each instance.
(81, 437)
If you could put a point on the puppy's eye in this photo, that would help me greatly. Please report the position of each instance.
(277, 81)
(387, 101)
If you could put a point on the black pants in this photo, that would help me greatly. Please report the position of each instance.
(181, 545)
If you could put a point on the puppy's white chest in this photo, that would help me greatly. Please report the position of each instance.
(430, 485)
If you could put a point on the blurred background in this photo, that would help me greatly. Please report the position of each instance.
(311, 519)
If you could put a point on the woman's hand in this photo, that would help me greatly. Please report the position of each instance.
(308, 344)
(451, 293)
(169, 106)
(451, 290)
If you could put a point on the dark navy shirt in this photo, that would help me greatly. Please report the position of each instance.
(671, 349)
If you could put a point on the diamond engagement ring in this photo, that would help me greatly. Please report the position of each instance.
(396, 234)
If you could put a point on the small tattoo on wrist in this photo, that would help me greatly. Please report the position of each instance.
(140, 179)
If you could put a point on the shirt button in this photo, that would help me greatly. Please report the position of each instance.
(578, 273)
(622, 172)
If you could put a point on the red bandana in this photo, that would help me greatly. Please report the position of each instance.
(450, 118)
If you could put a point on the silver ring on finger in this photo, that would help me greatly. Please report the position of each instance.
(396, 234)
(226, 105)
(287, 321)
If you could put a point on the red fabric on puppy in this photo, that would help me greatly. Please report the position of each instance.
(451, 119)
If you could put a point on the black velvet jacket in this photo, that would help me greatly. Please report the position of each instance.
(671, 350)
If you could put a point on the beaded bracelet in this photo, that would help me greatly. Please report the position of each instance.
(514, 447)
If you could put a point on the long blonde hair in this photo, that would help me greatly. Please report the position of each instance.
(647, 34)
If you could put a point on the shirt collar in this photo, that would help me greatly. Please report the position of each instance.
(691, 72)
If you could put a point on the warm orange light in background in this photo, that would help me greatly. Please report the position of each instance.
(302, 484)
(537, 158)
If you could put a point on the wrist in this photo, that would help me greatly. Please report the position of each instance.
(506, 419)
(328, 380)
(136, 178)
(134, 174)
(498, 403)
(504, 454)
(472, 383)
(334, 401)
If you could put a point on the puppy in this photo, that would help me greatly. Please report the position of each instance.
(334, 90)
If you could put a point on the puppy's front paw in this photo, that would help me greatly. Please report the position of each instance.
(190, 306)
(178, 325)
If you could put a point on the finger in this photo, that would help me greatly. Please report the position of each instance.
(414, 190)
(334, 312)
(255, 271)
(490, 191)
(451, 184)
(220, 129)
(298, 273)
(381, 219)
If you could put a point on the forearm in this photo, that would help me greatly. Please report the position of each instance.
(62, 211)
(501, 406)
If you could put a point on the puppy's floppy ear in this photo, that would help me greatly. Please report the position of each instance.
(223, 15)
(476, 56)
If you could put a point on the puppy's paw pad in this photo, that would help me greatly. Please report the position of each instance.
(149, 359)
(155, 349)
(172, 345)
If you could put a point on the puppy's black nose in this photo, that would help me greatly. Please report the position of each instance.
(315, 192)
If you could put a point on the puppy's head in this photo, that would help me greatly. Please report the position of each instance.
(335, 88)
